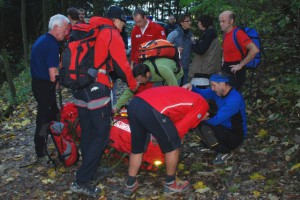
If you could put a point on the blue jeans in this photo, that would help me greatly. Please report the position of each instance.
(185, 77)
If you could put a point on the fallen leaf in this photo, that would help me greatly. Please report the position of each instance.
(296, 166)
(203, 190)
(256, 176)
(199, 185)
(256, 193)
(180, 166)
(262, 133)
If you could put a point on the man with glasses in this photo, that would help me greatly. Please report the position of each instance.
(143, 31)
(181, 37)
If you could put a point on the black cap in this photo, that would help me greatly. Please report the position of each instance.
(117, 13)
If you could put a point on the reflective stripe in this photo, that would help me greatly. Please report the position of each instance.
(94, 104)
(103, 71)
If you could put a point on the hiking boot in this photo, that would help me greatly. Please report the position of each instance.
(129, 190)
(87, 189)
(221, 158)
(176, 186)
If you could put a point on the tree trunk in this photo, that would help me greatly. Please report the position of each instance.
(45, 15)
(8, 74)
(24, 32)
(98, 7)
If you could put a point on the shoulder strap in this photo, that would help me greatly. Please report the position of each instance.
(236, 41)
(155, 67)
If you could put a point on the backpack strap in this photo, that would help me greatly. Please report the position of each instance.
(236, 41)
(156, 70)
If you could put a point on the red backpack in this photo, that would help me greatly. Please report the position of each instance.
(77, 66)
(64, 143)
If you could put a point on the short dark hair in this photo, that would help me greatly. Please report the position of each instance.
(139, 11)
(73, 13)
(182, 17)
(140, 70)
(205, 20)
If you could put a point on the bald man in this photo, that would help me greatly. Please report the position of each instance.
(233, 62)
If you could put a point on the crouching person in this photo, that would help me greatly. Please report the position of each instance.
(226, 130)
(168, 113)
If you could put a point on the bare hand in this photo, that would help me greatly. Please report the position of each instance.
(188, 86)
(235, 68)
(180, 49)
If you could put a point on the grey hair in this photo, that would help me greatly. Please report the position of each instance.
(57, 20)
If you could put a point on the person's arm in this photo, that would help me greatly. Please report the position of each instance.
(160, 32)
(226, 111)
(109, 42)
(171, 37)
(206, 93)
(252, 50)
(124, 98)
(53, 72)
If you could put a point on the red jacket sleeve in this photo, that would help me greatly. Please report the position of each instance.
(109, 44)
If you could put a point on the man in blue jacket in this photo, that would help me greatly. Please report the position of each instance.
(226, 130)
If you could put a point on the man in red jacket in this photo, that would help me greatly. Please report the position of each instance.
(168, 118)
(93, 102)
(143, 31)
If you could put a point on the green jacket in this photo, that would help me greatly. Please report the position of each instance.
(166, 68)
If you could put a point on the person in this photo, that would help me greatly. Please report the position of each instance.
(207, 57)
(145, 72)
(233, 62)
(73, 15)
(93, 102)
(82, 15)
(181, 37)
(44, 63)
(143, 31)
(171, 26)
(168, 118)
(226, 130)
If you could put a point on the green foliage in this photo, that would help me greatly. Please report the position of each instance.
(23, 89)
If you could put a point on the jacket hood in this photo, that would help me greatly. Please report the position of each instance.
(98, 21)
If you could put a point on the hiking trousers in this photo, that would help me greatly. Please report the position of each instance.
(47, 110)
(95, 127)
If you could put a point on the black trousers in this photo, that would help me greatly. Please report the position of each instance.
(227, 139)
(144, 119)
(237, 79)
(47, 110)
(95, 128)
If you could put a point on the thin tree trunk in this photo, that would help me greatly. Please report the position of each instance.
(8, 74)
(24, 32)
(45, 15)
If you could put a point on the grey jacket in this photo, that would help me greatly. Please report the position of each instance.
(182, 39)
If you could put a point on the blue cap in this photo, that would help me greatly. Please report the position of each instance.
(219, 78)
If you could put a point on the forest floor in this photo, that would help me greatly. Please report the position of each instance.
(266, 166)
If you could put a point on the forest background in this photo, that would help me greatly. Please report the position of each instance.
(268, 165)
